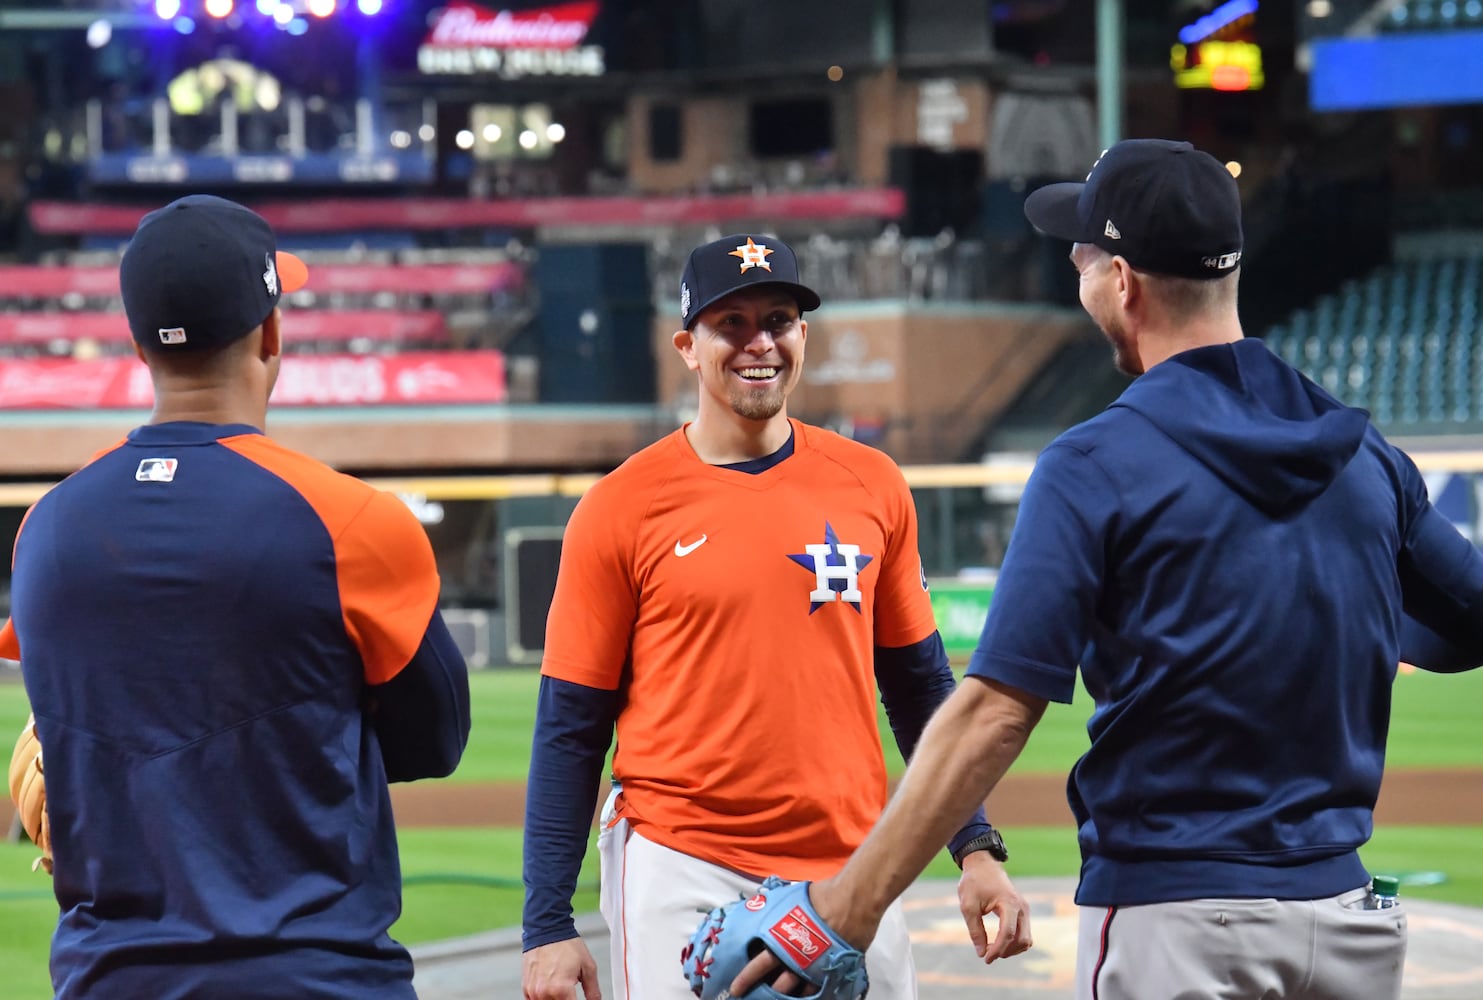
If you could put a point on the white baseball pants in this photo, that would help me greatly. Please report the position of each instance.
(654, 898)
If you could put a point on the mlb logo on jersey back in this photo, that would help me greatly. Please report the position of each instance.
(156, 470)
(802, 938)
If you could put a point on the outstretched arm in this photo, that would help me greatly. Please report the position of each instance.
(966, 749)
(914, 681)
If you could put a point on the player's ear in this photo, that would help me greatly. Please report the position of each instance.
(1128, 286)
(272, 344)
(684, 342)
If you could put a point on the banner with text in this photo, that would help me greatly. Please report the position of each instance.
(419, 377)
(465, 38)
(21, 281)
(960, 608)
(54, 218)
(300, 326)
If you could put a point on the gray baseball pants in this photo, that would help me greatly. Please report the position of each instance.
(1242, 949)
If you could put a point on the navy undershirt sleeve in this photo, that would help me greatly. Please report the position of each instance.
(913, 681)
(422, 714)
(574, 727)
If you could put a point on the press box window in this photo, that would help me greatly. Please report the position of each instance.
(666, 138)
(793, 127)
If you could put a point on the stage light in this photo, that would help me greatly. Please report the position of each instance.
(556, 132)
(369, 6)
(426, 132)
(267, 8)
(464, 139)
(528, 139)
(297, 26)
(321, 8)
(219, 8)
(283, 14)
(401, 139)
(99, 33)
(1233, 167)
(492, 132)
(185, 25)
(167, 9)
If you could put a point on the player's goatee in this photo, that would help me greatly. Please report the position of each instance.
(758, 405)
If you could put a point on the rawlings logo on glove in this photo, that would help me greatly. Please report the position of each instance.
(28, 791)
(779, 918)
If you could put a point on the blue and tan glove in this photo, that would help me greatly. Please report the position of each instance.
(779, 918)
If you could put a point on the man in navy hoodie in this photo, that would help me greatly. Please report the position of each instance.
(1235, 561)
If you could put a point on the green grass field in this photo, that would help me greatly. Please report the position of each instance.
(463, 881)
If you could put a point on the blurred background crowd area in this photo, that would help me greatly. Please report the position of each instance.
(496, 199)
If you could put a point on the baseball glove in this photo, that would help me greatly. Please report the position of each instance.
(28, 791)
(780, 919)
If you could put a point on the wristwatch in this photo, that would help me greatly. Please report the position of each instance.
(991, 842)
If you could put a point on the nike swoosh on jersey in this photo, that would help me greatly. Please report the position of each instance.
(682, 550)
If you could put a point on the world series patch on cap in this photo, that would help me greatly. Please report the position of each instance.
(203, 272)
(741, 260)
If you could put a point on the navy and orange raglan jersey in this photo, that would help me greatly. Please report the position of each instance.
(204, 619)
(737, 613)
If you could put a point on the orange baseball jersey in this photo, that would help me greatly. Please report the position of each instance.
(739, 614)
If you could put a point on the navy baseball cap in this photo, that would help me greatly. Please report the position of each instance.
(1164, 207)
(742, 260)
(201, 273)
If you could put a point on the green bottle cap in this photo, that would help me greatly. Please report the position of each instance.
(1387, 885)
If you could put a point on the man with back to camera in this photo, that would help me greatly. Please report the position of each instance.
(731, 598)
(229, 649)
(1236, 561)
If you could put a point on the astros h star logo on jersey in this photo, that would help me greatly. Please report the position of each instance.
(836, 567)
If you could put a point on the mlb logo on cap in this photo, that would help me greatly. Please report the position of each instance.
(742, 260)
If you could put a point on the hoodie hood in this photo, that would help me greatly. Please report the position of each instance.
(1252, 419)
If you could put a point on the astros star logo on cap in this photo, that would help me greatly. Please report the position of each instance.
(752, 255)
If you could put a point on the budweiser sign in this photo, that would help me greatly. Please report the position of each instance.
(463, 25)
(467, 39)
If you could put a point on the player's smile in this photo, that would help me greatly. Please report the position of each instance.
(760, 375)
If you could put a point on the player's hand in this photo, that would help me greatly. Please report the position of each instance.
(551, 971)
(985, 888)
(831, 901)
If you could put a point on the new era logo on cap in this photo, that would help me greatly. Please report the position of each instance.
(715, 270)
